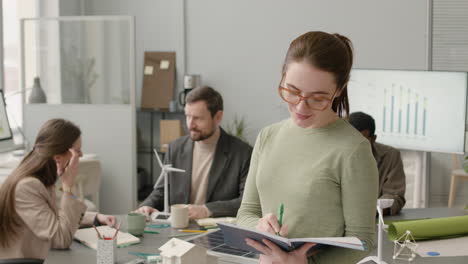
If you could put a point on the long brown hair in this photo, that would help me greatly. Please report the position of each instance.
(55, 137)
(328, 52)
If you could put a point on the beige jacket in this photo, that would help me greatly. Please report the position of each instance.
(44, 224)
(392, 177)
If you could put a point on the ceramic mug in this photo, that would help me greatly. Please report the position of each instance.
(136, 223)
(179, 216)
(183, 95)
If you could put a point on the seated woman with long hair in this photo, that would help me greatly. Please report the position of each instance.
(31, 222)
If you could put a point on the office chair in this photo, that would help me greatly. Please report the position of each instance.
(457, 176)
(21, 261)
(88, 180)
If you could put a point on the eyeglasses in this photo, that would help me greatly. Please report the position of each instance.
(316, 102)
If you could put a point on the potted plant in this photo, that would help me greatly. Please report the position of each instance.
(465, 164)
(237, 128)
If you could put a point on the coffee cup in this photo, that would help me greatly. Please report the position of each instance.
(183, 95)
(179, 216)
(136, 223)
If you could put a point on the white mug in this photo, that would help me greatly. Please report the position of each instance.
(179, 216)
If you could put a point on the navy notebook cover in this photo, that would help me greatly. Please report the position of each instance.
(234, 236)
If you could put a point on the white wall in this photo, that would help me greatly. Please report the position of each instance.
(70, 7)
(238, 46)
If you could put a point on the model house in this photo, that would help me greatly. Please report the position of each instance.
(177, 251)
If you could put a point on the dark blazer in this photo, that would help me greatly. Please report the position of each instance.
(226, 177)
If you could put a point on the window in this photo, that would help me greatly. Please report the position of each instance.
(12, 12)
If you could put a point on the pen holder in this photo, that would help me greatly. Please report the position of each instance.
(106, 251)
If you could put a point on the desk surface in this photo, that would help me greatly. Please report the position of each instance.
(150, 243)
(422, 213)
(79, 253)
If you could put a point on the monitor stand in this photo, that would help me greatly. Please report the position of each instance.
(8, 145)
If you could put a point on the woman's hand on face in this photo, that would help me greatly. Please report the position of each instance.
(269, 223)
(109, 220)
(274, 254)
(68, 170)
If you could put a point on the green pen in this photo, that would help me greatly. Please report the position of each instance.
(151, 232)
(280, 214)
(127, 245)
(142, 255)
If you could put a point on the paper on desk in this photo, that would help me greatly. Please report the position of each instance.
(88, 236)
(214, 221)
(445, 247)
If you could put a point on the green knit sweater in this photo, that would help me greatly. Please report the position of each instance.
(326, 178)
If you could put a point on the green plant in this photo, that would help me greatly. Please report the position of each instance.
(79, 74)
(237, 127)
(465, 164)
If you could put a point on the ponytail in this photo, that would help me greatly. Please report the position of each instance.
(340, 104)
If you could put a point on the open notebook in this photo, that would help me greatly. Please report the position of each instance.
(235, 236)
(88, 236)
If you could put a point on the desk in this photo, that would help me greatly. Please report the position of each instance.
(150, 243)
(421, 213)
(79, 253)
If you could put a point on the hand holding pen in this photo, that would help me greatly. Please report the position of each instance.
(269, 223)
(280, 219)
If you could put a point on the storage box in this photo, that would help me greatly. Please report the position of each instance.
(169, 130)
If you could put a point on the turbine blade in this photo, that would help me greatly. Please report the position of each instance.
(161, 176)
(175, 170)
(157, 157)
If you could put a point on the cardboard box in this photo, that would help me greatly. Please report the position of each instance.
(169, 130)
(158, 80)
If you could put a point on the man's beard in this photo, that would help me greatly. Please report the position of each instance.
(201, 136)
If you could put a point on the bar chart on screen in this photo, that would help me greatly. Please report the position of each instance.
(418, 110)
(404, 112)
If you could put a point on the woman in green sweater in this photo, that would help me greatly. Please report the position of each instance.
(315, 162)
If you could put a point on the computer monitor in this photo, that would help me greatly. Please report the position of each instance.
(6, 136)
(415, 110)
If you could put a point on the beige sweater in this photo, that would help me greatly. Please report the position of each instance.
(44, 225)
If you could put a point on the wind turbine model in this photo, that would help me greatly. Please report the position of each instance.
(381, 204)
(165, 168)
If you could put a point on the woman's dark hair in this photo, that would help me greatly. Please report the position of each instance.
(362, 121)
(328, 52)
(55, 137)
